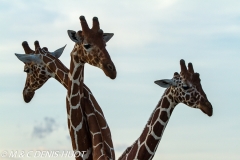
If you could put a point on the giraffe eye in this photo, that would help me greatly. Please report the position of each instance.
(185, 87)
(87, 46)
(27, 70)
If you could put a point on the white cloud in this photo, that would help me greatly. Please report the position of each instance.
(44, 129)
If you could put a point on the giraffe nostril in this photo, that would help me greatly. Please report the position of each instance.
(110, 66)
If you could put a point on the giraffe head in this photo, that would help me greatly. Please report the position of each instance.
(91, 46)
(36, 67)
(186, 88)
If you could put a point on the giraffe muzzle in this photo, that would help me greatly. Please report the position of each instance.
(110, 70)
(206, 108)
(27, 96)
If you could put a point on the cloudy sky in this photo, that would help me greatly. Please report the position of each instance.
(150, 37)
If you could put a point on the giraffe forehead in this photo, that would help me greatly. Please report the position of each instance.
(36, 78)
(181, 79)
(34, 68)
(95, 51)
(94, 38)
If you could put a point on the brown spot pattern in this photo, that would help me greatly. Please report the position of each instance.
(165, 103)
(75, 100)
(164, 116)
(158, 129)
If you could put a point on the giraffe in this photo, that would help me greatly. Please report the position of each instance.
(37, 75)
(40, 69)
(90, 48)
(182, 88)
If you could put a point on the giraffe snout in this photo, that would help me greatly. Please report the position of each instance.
(110, 70)
(206, 107)
(27, 95)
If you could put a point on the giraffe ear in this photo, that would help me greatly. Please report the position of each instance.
(28, 58)
(58, 52)
(107, 36)
(165, 83)
(74, 36)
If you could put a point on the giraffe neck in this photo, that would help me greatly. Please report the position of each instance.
(77, 125)
(77, 106)
(101, 139)
(55, 68)
(146, 145)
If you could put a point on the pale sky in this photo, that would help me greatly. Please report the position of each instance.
(150, 37)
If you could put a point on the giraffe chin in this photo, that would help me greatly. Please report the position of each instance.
(28, 96)
(111, 75)
(206, 108)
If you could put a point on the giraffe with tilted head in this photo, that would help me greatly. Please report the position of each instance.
(37, 64)
(182, 88)
(90, 48)
(40, 69)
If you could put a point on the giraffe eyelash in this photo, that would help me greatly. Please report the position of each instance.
(87, 46)
(27, 70)
(185, 87)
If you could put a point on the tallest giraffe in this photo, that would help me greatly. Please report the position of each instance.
(90, 48)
